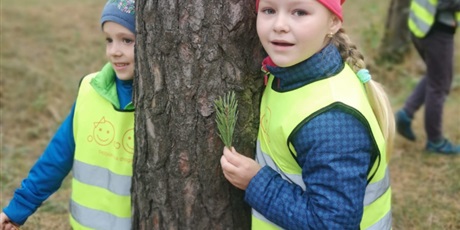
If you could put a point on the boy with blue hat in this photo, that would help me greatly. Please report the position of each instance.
(95, 141)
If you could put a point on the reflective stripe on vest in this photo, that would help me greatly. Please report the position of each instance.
(81, 215)
(421, 16)
(102, 167)
(85, 173)
(274, 149)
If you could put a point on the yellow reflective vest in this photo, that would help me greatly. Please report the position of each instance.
(282, 112)
(102, 166)
(422, 16)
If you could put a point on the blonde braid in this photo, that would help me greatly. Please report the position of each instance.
(375, 93)
(349, 52)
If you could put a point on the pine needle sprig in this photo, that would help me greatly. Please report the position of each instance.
(226, 116)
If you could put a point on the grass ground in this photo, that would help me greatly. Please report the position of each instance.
(47, 46)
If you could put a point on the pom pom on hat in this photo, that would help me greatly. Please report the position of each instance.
(121, 12)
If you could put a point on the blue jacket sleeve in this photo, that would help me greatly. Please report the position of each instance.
(333, 151)
(47, 174)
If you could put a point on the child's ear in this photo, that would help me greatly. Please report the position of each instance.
(335, 24)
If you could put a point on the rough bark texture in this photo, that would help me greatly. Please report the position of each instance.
(188, 53)
(396, 39)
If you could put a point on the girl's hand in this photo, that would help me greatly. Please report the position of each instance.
(238, 169)
(6, 224)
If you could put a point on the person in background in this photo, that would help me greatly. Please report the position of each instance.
(95, 141)
(432, 28)
(326, 128)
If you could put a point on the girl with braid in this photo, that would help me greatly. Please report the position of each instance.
(326, 128)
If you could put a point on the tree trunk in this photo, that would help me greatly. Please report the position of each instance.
(188, 53)
(396, 39)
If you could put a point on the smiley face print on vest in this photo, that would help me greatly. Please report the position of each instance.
(103, 132)
(128, 141)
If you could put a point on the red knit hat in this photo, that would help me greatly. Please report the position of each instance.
(335, 6)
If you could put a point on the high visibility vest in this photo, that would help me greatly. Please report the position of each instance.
(282, 113)
(102, 169)
(422, 16)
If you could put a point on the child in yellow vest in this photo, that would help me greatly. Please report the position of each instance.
(325, 127)
(95, 141)
(432, 25)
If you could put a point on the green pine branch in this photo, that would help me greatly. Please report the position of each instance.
(226, 116)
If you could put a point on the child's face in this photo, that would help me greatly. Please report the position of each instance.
(293, 30)
(120, 49)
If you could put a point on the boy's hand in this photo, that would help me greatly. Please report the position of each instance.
(238, 169)
(6, 224)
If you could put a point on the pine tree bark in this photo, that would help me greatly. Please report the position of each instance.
(396, 39)
(188, 53)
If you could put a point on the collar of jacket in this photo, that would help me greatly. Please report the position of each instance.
(104, 84)
(325, 63)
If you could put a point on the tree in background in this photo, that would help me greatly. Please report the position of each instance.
(188, 53)
(396, 39)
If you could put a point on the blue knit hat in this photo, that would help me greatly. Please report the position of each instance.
(121, 12)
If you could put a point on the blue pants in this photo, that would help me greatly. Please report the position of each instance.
(437, 51)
